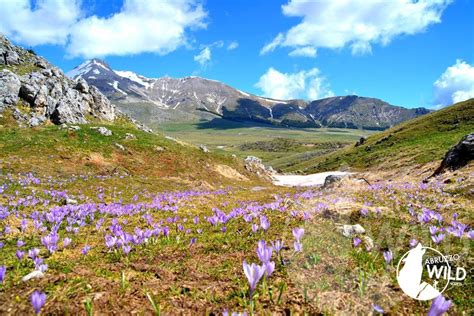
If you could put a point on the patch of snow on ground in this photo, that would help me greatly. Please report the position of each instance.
(306, 180)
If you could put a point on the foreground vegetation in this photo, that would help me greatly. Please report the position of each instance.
(156, 227)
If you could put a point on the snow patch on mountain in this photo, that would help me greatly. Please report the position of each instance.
(145, 82)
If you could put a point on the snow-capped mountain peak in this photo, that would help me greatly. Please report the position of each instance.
(88, 68)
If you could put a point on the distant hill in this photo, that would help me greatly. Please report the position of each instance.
(157, 100)
(417, 141)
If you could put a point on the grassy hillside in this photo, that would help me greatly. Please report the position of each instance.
(61, 152)
(417, 141)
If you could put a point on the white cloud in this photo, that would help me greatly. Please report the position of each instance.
(270, 47)
(456, 84)
(204, 57)
(140, 26)
(306, 51)
(355, 23)
(232, 45)
(48, 22)
(303, 84)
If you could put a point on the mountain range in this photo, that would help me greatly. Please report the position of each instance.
(157, 100)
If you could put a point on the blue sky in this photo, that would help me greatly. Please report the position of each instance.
(409, 54)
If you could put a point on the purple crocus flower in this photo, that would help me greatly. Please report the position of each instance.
(85, 250)
(66, 241)
(192, 241)
(20, 243)
(378, 309)
(42, 267)
(433, 230)
(388, 256)
(277, 246)
(356, 241)
(253, 272)
(438, 238)
(264, 252)
(254, 228)
(110, 241)
(3, 271)
(33, 253)
(470, 234)
(20, 254)
(126, 249)
(298, 233)
(413, 242)
(439, 306)
(298, 246)
(264, 223)
(364, 212)
(37, 301)
(269, 268)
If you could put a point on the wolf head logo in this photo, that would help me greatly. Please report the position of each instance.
(409, 276)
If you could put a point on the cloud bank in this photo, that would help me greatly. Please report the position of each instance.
(357, 24)
(308, 84)
(456, 84)
(139, 27)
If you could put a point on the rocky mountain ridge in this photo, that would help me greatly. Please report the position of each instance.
(156, 100)
(36, 91)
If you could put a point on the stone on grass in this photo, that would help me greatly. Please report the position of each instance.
(33, 275)
(351, 230)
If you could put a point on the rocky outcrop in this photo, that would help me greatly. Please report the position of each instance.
(255, 165)
(45, 89)
(331, 180)
(458, 156)
(10, 86)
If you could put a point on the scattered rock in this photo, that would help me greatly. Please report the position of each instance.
(119, 146)
(74, 128)
(331, 180)
(82, 86)
(36, 121)
(33, 275)
(71, 201)
(130, 136)
(255, 165)
(204, 148)
(103, 130)
(41, 64)
(360, 141)
(159, 149)
(458, 156)
(351, 230)
(257, 189)
(9, 88)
